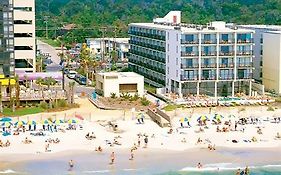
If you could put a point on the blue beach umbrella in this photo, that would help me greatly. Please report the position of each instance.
(57, 122)
(20, 123)
(6, 119)
(72, 121)
(202, 118)
(6, 124)
(31, 122)
(186, 119)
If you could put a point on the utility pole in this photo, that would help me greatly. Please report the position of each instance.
(46, 27)
(62, 61)
(103, 30)
(114, 45)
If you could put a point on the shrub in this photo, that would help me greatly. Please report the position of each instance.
(135, 97)
(43, 105)
(113, 95)
(144, 101)
(270, 108)
(62, 103)
(126, 95)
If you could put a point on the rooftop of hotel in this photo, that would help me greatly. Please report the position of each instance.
(118, 40)
(172, 21)
(191, 27)
(120, 74)
(270, 27)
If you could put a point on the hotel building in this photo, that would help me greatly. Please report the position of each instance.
(191, 59)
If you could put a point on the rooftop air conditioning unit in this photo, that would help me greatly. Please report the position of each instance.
(211, 28)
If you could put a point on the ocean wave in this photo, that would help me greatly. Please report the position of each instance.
(9, 171)
(130, 169)
(96, 171)
(225, 167)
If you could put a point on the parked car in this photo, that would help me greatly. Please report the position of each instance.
(77, 77)
(66, 71)
(71, 74)
(82, 81)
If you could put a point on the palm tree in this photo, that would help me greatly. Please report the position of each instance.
(40, 81)
(71, 92)
(17, 92)
(85, 60)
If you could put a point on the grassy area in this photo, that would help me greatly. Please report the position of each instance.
(172, 107)
(22, 111)
(54, 43)
(150, 88)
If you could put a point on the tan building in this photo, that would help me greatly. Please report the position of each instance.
(24, 35)
(272, 61)
(119, 82)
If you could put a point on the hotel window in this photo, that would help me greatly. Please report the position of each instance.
(177, 60)
(177, 49)
(177, 72)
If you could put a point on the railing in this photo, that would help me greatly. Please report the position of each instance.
(153, 57)
(226, 41)
(208, 53)
(183, 78)
(226, 78)
(245, 65)
(208, 65)
(184, 66)
(186, 54)
(208, 78)
(246, 76)
(239, 41)
(189, 42)
(231, 53)
(154, 36)
(241, 53)
(226, 65)
(209, 41)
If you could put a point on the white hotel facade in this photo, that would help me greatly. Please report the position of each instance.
(191, 59)
(24, 35)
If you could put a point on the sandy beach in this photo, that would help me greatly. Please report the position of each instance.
(163, 144)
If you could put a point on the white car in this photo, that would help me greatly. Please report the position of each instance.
(71, 74)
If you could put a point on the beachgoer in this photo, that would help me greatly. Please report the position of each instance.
(139, 141)
(112, 157)
(235, 126)
(146, 141)
(71, 164)
(238, 172)
(199, 165)
(247, 171)
(132, 155)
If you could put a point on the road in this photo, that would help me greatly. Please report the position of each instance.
(55, 67)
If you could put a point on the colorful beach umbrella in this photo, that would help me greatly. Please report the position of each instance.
(72, 121)
(186, 119)
(6, 124)
(218, 117)
(231, 116)
(31, 122)
(182, 120)
(20, 123)
(47, 122)
(202, 118)
(6, 119)
(57, 122)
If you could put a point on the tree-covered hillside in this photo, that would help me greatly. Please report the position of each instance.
(93, 14)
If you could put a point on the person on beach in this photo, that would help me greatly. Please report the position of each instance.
(238, 172)
(139, 141)
(132, 155)
(247, 171)
(145, 141)
(199, 165)
(71, 165)
(112, 157)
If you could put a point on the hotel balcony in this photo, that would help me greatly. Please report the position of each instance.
(226, 42)
(209, 42)
(184, 78)
(244, 53)
(226, 77)
(245, 41)
(189, 42)
(230, 65)
(208, 77)
(185, 66)
(209, 53)
(189, 54)
(208, 65)
(245, 65)
(231, 53)
(245, 76)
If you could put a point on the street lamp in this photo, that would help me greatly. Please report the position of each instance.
(62, 61)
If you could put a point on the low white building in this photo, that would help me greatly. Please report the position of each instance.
(272, 61)
(119, 82)
(99, 46)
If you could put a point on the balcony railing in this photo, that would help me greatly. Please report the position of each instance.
(241, 53)
(246, 76)
(208, 78)
(208, 53)
(245, 65)
(150, 46)
(226, 41)
(189, 54)
(230, 65)
(231, 53)
(240, 41)
(209, 41)
(154, 36)
(189, 42)
(184, 78)
(208, 65)
(226, 77)
(194, 66)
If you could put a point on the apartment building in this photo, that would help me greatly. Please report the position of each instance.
(272, 61)
(192, 59)
(258, 36)
(7, 63)
(24, 35)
